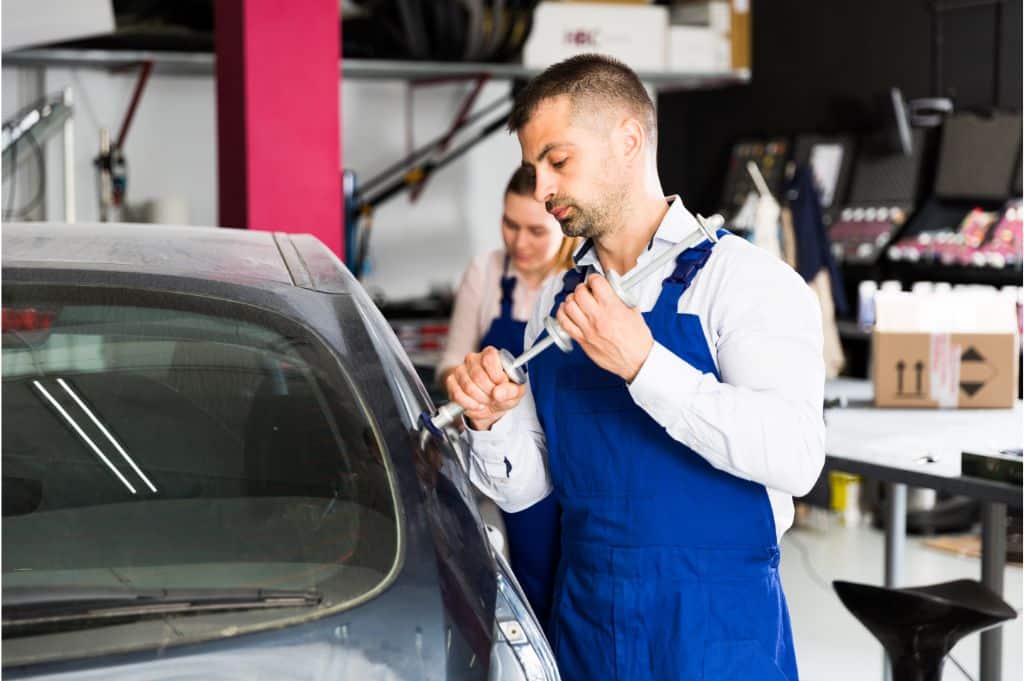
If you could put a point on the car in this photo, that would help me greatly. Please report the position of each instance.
(216, 465)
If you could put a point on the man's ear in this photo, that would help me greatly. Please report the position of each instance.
(632, 138)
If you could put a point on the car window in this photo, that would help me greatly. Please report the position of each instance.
(169, 442)
(403, 380)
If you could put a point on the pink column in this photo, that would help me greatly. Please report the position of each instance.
(278, 123)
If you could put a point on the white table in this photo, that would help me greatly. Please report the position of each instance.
(922, 447)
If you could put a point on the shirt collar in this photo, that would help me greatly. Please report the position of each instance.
(677, 224)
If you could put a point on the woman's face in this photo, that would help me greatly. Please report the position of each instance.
(532, 235)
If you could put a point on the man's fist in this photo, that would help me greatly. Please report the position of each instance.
(483, 388)
(612, 334)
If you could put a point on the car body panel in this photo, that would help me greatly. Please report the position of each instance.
(433, 619)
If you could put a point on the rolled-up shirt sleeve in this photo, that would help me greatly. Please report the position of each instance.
(763, 421)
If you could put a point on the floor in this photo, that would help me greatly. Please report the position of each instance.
(830, 644)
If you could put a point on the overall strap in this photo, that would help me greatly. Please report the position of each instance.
(508, 285)
(690, 262)
(570, 281)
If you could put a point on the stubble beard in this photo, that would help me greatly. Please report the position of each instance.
(595, 221)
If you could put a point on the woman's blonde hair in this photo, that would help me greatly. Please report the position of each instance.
(522, 183)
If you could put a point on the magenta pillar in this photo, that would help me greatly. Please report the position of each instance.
(278, 124)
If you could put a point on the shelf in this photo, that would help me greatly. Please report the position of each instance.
(202, 63)
(187, 63)
(908, 272)
(852, 330)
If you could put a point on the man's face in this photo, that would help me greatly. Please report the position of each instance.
(579, 179)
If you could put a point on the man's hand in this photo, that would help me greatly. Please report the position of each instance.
(612, 334)
(483, 388)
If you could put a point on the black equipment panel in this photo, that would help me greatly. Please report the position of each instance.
(770, 157)
(978, 156)
(888, 178)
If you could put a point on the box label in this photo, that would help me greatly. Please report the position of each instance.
(944, 370)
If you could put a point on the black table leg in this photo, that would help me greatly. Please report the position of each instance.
(993, 567)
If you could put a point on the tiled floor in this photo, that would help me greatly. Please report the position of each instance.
(830, 644)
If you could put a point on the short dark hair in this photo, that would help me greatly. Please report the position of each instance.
(523, 181)
(589, 80)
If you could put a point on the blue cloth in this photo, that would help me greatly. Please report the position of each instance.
(813, 248)
(669, 567)
(533, 534)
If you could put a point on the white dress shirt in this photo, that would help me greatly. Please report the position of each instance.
(763, 422)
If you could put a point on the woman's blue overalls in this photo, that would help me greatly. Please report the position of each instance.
(532, 533)
(669, 567)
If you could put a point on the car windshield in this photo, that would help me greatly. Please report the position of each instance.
(172, 446)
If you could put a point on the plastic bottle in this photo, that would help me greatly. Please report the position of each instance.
(866, 291)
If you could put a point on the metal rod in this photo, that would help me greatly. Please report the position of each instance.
(896, 535)
(706, 231)
(895, 547)
(993, 568)
(412, 157)
(537, 348)
(449, 412)
(69, 160)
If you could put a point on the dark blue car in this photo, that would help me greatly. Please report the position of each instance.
(213, 467)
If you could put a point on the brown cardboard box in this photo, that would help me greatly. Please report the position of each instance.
(728, 18)
(965, 370)
(740, 35)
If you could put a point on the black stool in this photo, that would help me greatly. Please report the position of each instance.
(920, 625)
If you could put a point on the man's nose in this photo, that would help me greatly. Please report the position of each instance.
(545, 188)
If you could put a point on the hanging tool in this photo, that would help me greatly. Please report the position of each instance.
(412, 178)
(624, 289)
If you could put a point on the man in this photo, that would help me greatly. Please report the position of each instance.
(675, 433)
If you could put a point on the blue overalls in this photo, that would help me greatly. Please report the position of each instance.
(669, 567)
(533, 532)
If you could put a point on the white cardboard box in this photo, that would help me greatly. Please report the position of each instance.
(36, 22)
(715, 14)
(634, 34)
(697, 49)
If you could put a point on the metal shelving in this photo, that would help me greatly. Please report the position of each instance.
(202, 63)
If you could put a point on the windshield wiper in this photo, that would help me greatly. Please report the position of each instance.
(30, 606)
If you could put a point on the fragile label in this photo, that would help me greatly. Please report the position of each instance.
(944, 370)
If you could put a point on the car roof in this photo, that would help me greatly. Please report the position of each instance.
(234, 255)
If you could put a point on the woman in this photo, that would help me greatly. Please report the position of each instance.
(495, 297)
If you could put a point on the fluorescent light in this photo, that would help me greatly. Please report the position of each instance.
(81, 434)
(106, 432)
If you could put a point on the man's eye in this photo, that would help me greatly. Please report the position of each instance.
(559, 164)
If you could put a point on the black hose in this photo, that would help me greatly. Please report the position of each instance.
(428, 148)
(40, 194)
(9, 200)
(426, 170)
(37, 198)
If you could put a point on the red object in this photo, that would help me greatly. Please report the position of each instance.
(140, 85)
(278, 117)
(26, 319)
